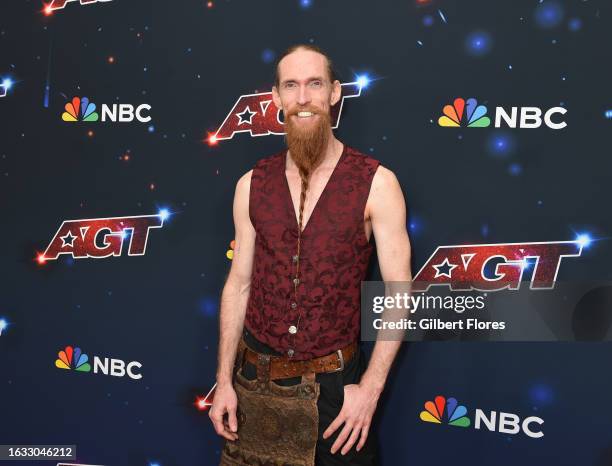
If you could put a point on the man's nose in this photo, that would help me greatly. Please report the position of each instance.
(303, 96)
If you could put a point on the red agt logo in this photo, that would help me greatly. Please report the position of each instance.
(60, 4)
(99, 238)
(257, 114)
(492, 267)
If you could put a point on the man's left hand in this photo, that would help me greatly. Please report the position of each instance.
(356, 415)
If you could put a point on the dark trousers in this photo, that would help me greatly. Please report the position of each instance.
(329, 405)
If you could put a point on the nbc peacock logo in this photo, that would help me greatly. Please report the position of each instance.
(464, 113)
(80, 109)
(455, 413)
(72, 358)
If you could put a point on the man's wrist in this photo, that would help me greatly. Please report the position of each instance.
(372, 384)
(224, 379)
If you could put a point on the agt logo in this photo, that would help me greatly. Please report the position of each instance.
(74, 359)
(202, 403)
(257, 115)
(60, 4)
(493, 267)
(469, 114)
(5, 85)
(82, 109)
(99, 238)
(456, 415)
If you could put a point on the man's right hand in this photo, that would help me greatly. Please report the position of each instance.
(225, 401)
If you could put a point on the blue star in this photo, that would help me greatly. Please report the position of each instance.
(5, 85)
(478, 43)
(548, 15)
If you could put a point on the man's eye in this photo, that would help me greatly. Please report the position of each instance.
(289, 85)
(316, 84)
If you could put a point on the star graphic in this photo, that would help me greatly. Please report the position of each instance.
(69, 241)
(447, 266)
(248, 118)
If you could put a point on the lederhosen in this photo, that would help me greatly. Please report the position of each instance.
(282, 422)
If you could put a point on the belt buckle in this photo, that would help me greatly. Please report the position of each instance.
(341, 359)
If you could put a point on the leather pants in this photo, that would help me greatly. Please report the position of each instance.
(288, 418)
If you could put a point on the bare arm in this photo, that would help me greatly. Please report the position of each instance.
(233, 309)
(238, 285)
(388, 213)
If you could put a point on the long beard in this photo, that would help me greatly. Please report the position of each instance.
(307, 145)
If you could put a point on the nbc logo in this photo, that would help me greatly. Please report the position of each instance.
(475, 115)
(74, 359)
(70, 358)
(456, 415)
(82, 109)
(467, 113)
(230, 252)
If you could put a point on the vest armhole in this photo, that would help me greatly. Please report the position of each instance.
(261, 170)
(375, 164)
(255, 176)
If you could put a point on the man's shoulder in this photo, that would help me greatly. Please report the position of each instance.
(362, 159)
(261, 166)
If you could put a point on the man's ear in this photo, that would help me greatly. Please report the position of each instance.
(276, 98)
(336, 92)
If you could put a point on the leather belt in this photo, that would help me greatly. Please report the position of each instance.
(281, 367)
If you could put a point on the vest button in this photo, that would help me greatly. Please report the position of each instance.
(293, 330)
(293, 305)
(290, 352)
(296, 281)
(295, 258)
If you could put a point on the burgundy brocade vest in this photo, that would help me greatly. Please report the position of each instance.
(334, 256)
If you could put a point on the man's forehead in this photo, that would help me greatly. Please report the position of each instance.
(302, 65)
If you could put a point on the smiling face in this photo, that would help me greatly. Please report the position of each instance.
(305, 93)
(304, 90)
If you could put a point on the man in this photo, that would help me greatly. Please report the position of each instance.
(290, 308)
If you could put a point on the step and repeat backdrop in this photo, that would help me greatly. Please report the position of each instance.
(125, 125)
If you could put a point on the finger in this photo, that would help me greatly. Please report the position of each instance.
(233, 421)
(341, 438)
(364, 436)
(217, 420)
(334, 425)
(228, 435)
(233, 436)
(352, 439)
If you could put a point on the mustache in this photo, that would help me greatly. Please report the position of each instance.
(312, 109)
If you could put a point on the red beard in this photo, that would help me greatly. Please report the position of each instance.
(307, 144)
